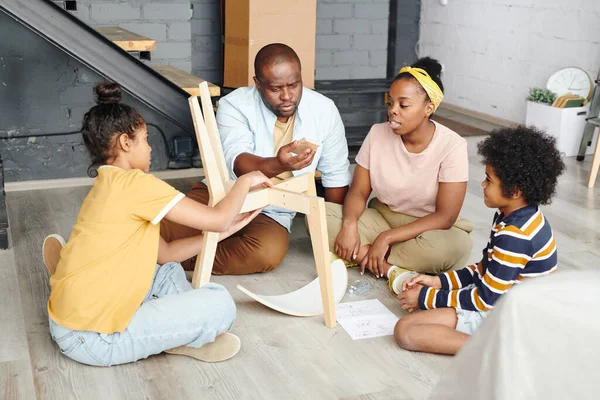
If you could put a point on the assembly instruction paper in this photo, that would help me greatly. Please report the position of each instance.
(366, 319)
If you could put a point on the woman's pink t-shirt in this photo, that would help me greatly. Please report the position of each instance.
(408, 182)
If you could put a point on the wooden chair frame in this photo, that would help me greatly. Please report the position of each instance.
(295, 194)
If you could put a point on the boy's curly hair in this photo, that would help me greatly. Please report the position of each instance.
(524, 158)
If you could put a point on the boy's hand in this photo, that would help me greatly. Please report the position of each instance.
(424, 280)
(256, 178)
(410, 298)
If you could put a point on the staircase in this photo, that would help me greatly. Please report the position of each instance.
(116, 54)
(361, 103)
(122, 57)
(140, 47)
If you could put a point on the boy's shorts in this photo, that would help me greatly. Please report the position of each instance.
(469, 321)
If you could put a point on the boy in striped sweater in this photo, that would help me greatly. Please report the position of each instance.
(522, 166)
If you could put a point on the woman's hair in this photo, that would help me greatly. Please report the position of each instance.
(103, 124)
(526, 159)
(431, 66)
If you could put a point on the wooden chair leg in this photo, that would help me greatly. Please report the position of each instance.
(595, 164)
(317, 225)
(312, 186)
(205, 260)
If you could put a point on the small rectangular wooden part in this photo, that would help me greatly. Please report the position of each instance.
(127, 40)
(188, 82)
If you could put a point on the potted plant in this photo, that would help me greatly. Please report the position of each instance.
(565, 124)
(539, 95)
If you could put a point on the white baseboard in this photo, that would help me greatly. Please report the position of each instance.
(83, 181)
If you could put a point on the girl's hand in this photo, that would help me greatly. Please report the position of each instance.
(256, 178)
(375, 258)
(347, 243)
(424, 280)
(240, 221)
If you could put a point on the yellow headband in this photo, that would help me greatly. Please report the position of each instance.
(433, 90)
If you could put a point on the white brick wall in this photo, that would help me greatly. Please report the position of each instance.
(192, 39)
(493, 51)
(352, 38)
(167, 22)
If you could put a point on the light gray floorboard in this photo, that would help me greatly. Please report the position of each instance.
(281, 356)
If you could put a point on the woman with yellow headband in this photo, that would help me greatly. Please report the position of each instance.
(418, 171)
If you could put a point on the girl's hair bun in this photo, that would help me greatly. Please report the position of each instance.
(108, 93)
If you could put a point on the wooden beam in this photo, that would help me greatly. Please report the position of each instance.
(188, 82)
(256, 199)
(290, 201)
(317, 225)
(297, 184)
(127, 40)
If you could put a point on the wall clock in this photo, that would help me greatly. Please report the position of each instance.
(571, 79)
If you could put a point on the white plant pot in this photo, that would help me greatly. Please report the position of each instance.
(565, 124)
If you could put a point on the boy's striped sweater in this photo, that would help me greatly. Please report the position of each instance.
(520, 246)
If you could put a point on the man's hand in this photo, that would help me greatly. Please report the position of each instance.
(347, 243)
(291, 162)
(424, 280)
(375, 258)
(410, 298)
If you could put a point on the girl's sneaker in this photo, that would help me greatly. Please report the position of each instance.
(397, 276)
(51, 248)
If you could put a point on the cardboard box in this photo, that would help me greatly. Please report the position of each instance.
(252, 24)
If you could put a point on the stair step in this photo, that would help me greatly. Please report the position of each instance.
(372, 108)
(353, 86)
(186, 81)
(355, 135)
(127, 40)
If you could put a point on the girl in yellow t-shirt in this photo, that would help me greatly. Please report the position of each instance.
(110, 302)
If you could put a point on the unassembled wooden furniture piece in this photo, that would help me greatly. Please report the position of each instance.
(127, 40)
(184, 80)
(296, 194)
(304, 302)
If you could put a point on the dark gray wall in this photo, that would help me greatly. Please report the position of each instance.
(43, 90)
(403, 34)
(207, 52)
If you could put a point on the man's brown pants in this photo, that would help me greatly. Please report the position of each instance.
(258, 247)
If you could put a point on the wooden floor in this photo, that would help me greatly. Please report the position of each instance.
(281, 356)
